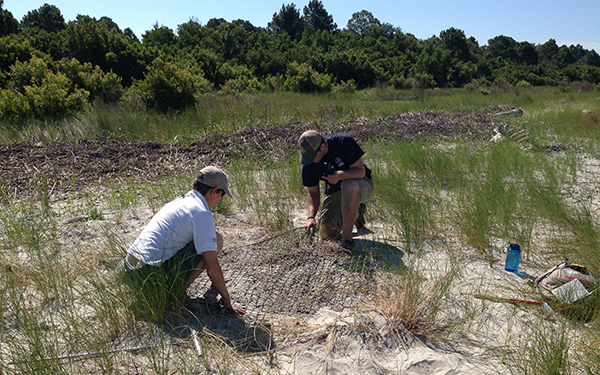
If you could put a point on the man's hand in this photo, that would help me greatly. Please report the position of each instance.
(355, 172)
(314, 201)
(333, 178)
(215, 273)
(311, 224)
(234, 308)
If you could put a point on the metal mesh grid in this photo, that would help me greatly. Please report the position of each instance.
(294, 274)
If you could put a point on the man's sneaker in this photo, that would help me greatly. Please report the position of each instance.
(360, 222)
(348, 245)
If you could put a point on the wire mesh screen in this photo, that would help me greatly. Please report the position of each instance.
(296, 274)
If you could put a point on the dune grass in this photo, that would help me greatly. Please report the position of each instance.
(54, 302)
(412, 303)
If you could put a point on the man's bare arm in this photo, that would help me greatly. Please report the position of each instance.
(356, 172)
(314, 202)
(215, 273)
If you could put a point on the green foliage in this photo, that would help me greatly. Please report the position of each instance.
(545, 351)
(347, 65)
(503, 46)
(523, 83)
(11, 51)
(103, 86)
(35, 91)
(400, 82)
(96, 214)
(168, 88)
(273, 210)
(316, 18)
(159, 36)
(228, 72)
(348, 87)
(456, 41)
(288, 21)
(303, 52)
(413, 213)
(303, 78)
(54, 97)
(47, 18)
(8, 23)
(364, 24)
(14, 107)
(243, 84)
(431, 67)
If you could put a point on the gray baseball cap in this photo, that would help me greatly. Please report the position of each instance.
(214, 177)
(309, 144)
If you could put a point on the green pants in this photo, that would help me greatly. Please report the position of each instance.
(161, 289)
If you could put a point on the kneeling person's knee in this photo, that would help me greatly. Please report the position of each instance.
(349, 185)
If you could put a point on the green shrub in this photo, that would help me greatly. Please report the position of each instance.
(55, 98)
(400, 82)
(35, 91)
(168, 88)
(344, 87)
(132, 100)
(303, 78)
(423, 81)
(27, 73)
(243, 84)
(227, 72)
(523, 83)
(104, 86)
(13, 106)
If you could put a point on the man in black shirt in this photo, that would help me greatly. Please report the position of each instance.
(337, 160)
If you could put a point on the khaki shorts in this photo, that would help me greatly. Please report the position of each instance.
(331, 212)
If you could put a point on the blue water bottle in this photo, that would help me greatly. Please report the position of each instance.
(513, 255)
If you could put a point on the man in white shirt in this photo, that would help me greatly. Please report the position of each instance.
(179, 243)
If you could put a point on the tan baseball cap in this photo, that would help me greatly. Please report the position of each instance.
(309, 144)
(214, 177)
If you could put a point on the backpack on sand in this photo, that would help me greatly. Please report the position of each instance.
(561, 274)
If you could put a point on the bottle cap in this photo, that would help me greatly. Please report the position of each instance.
(514, 246)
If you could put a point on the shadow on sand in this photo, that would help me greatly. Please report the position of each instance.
(386, 256)
(239, 332)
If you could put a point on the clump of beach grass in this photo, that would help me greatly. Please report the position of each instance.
(267, 195)
(413, 303)
(544, 350)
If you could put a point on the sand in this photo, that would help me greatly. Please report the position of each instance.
(353, 335)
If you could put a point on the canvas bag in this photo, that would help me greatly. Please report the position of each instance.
(561, 274)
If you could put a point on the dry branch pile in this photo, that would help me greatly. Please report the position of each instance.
(68, 164)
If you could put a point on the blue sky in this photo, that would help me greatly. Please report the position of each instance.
(535, 21)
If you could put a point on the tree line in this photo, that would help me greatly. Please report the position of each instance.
(50, 68)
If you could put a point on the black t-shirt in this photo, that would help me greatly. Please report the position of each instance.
(343, 152)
